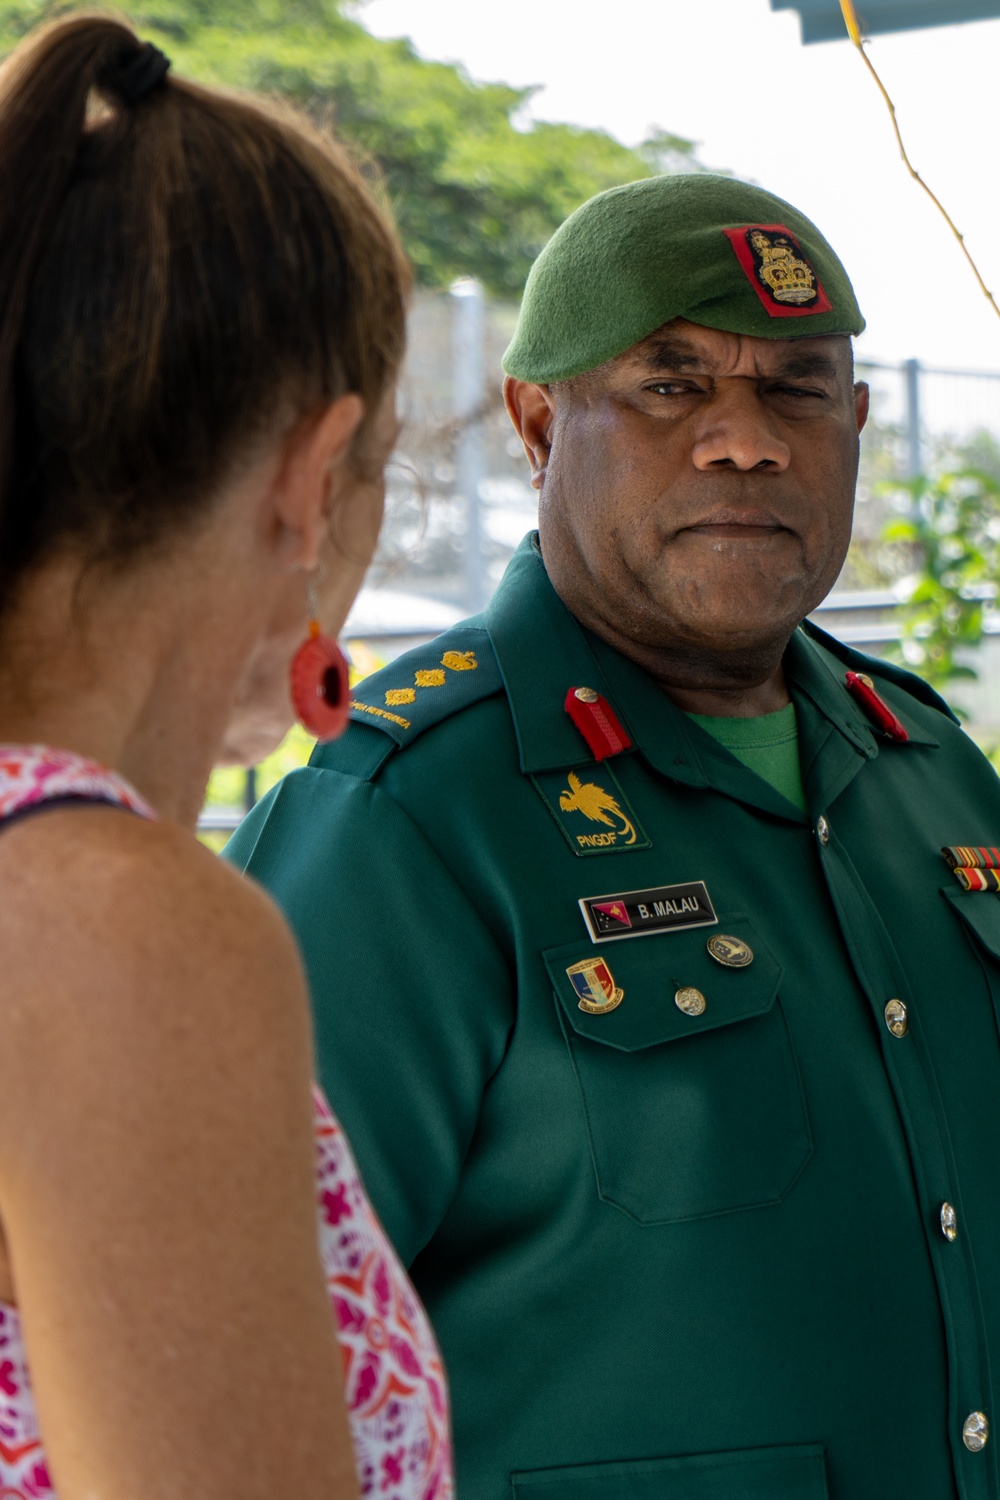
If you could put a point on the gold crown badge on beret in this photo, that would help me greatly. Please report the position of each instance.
(719, 252)
(787, 276)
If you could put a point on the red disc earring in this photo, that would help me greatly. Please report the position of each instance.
(320, 684)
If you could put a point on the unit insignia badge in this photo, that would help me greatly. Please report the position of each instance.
(661, 908)
(592, 810)
(595, 986)
(597, 804)
(778, 270)
(733, 952)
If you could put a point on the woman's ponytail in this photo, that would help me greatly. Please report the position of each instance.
(46, 90)
(177, 265)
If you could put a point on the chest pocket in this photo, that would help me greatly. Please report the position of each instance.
(691, 1111)
(980, 915)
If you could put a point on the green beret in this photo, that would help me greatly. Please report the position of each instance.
(699, 246)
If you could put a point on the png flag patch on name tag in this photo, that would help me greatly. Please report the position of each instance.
(661, 908)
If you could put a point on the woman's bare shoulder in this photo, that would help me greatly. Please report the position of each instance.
(127, 943)
(148, 886)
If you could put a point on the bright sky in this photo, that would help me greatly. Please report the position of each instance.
(806, 122)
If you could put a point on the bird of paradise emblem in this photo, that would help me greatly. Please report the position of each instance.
(597, 805)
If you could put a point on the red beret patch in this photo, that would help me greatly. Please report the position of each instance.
(778, 271)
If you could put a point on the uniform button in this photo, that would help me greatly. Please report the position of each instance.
(896, 1018)
(586, 695)
(823, 830)
(691, 1001)
(975, 1431)
(949, 1222)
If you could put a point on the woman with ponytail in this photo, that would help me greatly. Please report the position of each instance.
(201, 324)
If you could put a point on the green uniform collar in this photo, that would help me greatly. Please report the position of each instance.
(543, 651)
(816, 664)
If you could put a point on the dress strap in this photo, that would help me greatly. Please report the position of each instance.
(32, 776)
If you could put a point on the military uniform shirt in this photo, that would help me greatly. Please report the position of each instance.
(734, 1250)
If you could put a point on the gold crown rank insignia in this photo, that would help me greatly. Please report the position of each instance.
(778, 271)
(786, 274)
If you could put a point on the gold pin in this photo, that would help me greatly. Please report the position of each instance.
(731, 951)
(586, 695)
(691, 1001)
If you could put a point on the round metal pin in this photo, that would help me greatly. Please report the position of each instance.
(733, 952)
(691, 1001)
(586, 695)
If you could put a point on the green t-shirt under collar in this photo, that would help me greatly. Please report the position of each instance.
(768, 744)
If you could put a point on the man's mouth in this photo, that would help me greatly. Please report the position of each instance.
(725, 525)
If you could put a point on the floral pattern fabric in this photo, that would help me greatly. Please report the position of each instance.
(30, 774)
(393, 1376)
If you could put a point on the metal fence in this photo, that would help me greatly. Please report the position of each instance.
(929, 411)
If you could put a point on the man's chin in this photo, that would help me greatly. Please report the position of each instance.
(746, 632)
(741, 608)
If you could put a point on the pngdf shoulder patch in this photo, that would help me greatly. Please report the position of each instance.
(592, 810)
(428, 684)
(778, 270)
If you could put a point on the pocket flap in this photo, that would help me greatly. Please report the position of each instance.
(980, 911)
(650, 972)
(793, 1473)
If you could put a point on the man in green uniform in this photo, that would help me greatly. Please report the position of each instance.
(666, 1036)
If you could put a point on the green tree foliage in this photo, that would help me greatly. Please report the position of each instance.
(473, 194)
(952, 525)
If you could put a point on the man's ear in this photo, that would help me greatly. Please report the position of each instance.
(861, 398)
(531, 409)
(314, 466)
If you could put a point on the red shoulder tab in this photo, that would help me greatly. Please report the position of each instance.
(862, 689)
(597, 722)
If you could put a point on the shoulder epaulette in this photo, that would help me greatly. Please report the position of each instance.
(875, 666)
(414, 692)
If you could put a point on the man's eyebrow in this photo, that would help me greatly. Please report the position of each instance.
(675, 357)
(668, 354)
(803, 363)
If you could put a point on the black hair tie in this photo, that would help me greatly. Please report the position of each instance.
(133, 80)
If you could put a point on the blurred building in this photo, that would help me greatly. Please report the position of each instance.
(823, 20)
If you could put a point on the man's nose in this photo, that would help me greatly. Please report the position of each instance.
(735, 432)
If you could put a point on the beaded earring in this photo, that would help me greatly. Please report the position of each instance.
(320, 685)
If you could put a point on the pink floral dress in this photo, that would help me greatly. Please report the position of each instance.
(395, 1385)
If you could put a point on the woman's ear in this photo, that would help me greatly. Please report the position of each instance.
(314, 464)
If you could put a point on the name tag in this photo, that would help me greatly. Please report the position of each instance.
(662, 908)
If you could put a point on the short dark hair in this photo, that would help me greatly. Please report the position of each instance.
(175, 272)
